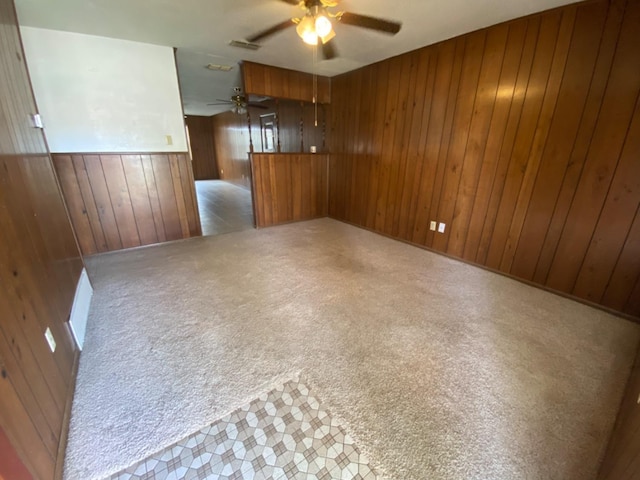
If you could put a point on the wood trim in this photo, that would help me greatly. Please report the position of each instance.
(127, 200)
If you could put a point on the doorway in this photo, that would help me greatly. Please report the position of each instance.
(224, 207)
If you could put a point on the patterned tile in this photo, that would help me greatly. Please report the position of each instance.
(283, 434)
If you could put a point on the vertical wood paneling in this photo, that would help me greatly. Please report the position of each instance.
(140, 199)
(120, 200)
(289, 187)
(282, 83)
(154, 199)
(521, 138)
(489, 151)
(166, 196)
(484, 102)
(616, 113)
(453, 71)
(203, 154)
(128, 200)
(572, 98)
(100, 196)
(500, 182)
(231, 140)
(599, 78)
(90, 207)
(39, 269)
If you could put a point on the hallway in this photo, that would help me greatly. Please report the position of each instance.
(224, 207)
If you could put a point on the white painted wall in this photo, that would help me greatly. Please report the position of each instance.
(98, 94)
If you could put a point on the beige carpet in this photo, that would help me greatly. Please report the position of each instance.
(437, 369)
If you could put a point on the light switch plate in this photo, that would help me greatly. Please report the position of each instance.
(441, 227)
(432, 226)
(36, 121)
(50, 340)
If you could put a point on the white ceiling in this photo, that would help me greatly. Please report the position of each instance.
(201, 29)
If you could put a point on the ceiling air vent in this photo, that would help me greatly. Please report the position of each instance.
(243, 44)
(220, 68)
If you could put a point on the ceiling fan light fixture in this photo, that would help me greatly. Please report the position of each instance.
(323, 25)
(306, 30)
(328, 37)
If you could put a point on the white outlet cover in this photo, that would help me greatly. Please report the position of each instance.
(432, 226)
(50, 340)
(441, 227)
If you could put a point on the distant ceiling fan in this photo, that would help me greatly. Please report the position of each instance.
(239, 102)
(316, 24)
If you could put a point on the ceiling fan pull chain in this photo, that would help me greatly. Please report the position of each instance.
(249, 125)
(315, 84)
(278, 124)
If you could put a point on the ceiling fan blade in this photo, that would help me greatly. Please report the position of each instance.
(371, 23)
(291, 2)
(257, 105)
(270, 31)
(226, 104)
(329, 50)
(223, 100)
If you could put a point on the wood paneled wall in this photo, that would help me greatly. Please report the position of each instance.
(523, 138)
(622, 459)
(39, 269)
(231, 140)
(203, 154)
(289, 187)
(121, 201)
(282, 83)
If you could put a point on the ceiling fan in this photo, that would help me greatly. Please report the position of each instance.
(238, 102)
(316, 25)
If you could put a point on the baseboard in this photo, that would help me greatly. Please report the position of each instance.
(80, 308)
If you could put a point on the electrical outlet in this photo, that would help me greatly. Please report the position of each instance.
(432, 226)
(441, 227)
(50, 340)
(169, 139)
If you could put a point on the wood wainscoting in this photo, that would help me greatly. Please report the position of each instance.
(121, 201)
(523, 138)
(39, 269)
(288, 187)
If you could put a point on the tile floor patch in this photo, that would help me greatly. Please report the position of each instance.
(283, 434)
